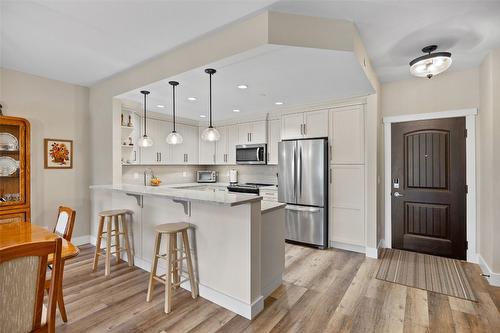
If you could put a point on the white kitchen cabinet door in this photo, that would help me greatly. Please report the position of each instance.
(274, 138)
(162, 129)
(258, 132)
(347, 213)
(316, 124)
(347, 132)
(221, 146)
(291, 126)
(232, 141)
(192, 142)
(206, 150)
(159, 151)
(244, 132)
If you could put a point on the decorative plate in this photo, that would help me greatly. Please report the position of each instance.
(8, 166)
(8, 142)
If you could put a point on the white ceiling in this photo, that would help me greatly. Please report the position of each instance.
(86, 41)
(292, 75)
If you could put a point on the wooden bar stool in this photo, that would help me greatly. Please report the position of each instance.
(112, 217)
(171, 279)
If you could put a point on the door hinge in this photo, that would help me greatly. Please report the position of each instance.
(466, 133)
(466, 188)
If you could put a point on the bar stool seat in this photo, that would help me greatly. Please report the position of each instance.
(110, 218)
(171, 279)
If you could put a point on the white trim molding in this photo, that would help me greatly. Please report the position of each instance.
(81, 240)
(470, 125)
(494, 278)
(348, 247)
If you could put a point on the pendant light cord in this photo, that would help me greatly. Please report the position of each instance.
(145, 115)
(211, 100)
(173, 109)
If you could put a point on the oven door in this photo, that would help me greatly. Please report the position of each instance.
(251, 154)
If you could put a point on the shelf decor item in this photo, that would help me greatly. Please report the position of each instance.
(174, 138)
(14, 169)
(210, 133)
(58, 154)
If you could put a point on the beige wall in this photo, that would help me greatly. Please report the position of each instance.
(55, 110)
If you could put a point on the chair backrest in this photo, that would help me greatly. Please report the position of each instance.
(22, 272)
(65, 222)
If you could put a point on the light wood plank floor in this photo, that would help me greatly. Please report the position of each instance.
(323, 291)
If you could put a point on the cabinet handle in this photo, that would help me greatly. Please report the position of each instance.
(135, 155)
(301, 131)
(250, 137)
(305, 132)
(331, 155)
(187, 158)
(214, 158)
(160, 156)
(330, 175)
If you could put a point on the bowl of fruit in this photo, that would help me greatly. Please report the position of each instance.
(155, 181)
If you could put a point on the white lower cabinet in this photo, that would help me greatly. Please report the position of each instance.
(347, 204)
(206, 150)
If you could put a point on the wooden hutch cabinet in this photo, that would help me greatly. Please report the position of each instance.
(14, 169)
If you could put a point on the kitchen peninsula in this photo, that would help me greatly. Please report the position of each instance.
(237, 242)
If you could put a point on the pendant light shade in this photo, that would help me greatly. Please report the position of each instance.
(210, 133)
(145, 140)
(174, 138)
(430, 64)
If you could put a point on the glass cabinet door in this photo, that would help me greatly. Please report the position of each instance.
(12, 187)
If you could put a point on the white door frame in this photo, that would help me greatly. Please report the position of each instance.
(470, 125)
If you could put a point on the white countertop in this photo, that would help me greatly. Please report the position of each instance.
(269, 206)
(170, 192)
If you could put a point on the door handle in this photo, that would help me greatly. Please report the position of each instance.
(397, 195)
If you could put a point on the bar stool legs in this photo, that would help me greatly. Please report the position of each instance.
(113, 220)
(174, 257)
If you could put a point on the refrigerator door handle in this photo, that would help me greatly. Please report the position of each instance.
(294, 174)
(303, 209)
(300, 175)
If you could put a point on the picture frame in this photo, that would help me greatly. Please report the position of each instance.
(58, 154)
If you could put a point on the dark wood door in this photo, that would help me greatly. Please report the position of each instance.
(428, 187)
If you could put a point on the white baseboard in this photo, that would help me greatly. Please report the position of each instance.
(348, 247)
(372, 252)
(80, 240)
(272, 286)
(494, 278)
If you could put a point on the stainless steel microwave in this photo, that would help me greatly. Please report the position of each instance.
(251, 154)
(206, 176)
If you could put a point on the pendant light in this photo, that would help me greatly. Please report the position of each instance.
(210, 133)
(430, 64)
(145, 140)
(174, 138)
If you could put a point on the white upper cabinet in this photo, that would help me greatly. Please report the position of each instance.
(187, 151)
(316, 124)
(206, 150)
(252, 132)
(347, 128)
(159, 153)
(305, 125)
(274, 137)
(226, 146)
(292, 125)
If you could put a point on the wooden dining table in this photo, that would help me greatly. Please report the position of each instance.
(17, 233)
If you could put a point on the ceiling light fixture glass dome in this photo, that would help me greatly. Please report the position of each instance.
(174, 138)
(430, 64)
(145, 140)
(210, 133)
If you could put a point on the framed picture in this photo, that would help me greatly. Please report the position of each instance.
(58, 154)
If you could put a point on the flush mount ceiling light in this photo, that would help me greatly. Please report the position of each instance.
(191, 98)
(430, 64)
(174, 138)
(210, 133)
(145, 140)
(242, 86)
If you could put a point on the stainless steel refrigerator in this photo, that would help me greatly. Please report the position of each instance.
(303, 186)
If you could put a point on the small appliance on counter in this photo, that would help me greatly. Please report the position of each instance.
(206, 176)
(252, 188)
(233, 176)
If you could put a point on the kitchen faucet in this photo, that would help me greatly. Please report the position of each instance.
(147, 172)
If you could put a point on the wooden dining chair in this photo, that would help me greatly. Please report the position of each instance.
(64, 228)
(22, 272)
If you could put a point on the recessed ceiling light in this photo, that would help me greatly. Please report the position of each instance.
(202, 116)
(160, 106)
(236, 110)
(278, 103)
(191, 98)
(242, 86)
